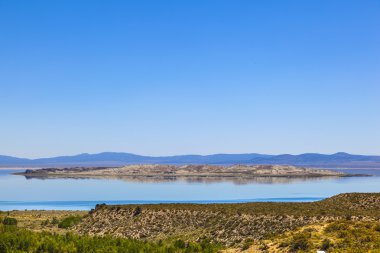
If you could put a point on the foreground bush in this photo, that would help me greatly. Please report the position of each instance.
(336, 237)
(13, 239)
(9, 221)
(69, 221)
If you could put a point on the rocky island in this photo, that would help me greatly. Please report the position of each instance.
(184, 171)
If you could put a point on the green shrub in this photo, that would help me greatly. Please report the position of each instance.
(299, 242)
(69, 221)
(325, 245)
(45, 222)
(336, 227)
(136, 211)
(246, 244)
(54, 221)
(180, 244)
(13, 239)
(9, 221)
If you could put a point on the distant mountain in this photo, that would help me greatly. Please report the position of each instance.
(338, 160)
(12, 160)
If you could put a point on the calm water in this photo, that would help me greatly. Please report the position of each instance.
(17, 192)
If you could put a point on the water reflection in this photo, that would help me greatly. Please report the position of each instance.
(191, 179)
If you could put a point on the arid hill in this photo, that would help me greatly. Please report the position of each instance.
(343, 223)
(225, 223)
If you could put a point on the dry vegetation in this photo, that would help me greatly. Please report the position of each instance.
(41, 220)
(343, 223)
(229, 224)
(338, 236)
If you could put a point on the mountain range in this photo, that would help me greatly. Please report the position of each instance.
(337, 160)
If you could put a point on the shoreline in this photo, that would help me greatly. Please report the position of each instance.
(87, 205)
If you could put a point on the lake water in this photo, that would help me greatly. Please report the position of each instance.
(19, 193)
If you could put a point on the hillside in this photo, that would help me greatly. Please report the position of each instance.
(110, 159)
(343, 223)
(225, 223)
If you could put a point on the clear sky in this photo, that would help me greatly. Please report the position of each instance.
(193, 76)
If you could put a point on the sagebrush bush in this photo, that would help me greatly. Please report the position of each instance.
(9, 221)
(70, 221)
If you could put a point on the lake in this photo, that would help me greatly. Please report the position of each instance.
(19, 193)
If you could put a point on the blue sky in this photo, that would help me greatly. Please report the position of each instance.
(179, 77)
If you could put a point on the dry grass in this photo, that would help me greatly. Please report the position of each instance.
(41, 220)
